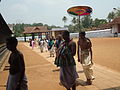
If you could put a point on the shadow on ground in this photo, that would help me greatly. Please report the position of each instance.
(81, 71)
(112, 88)
(56, 70)
(2, 85)
(81, 82)
(6, 68)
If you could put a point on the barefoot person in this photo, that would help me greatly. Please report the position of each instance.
(17, 79)
(85, 56)
(68, 74)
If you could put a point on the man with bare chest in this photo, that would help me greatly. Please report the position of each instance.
(85, 56)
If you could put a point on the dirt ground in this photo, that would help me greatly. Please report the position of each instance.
(106, 52)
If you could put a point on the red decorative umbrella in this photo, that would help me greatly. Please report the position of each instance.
(79, 10)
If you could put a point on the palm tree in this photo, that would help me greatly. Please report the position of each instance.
(64, 19)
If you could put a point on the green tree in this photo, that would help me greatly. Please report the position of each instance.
(18, 29)
(117, 13)
(74, 20)
(71, 28)
(102, 21)
(96, 22)
(37, 24)
(86, 21)
(111, 16)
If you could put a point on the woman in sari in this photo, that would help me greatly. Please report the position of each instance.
(66, 62)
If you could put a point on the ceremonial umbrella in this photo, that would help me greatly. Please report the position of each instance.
(79, 11)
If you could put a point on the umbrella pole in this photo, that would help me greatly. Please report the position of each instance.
(79, 24)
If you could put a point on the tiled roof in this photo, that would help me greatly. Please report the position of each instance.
(105, 26)
(3, 26)
(116, 21)
(35, 29)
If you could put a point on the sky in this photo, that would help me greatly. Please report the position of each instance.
(51, 12)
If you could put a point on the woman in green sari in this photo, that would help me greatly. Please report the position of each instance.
(65, 60)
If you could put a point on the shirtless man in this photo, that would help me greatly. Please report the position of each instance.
(85, 56)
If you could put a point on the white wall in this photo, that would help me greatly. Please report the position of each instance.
(96, 33)
(114, 28)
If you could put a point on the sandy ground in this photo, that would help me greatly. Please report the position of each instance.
(40, 72)
(106, 52)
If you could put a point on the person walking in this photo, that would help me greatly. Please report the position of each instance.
(17, 79)
(66, 62)
(85, 56)
(33, 44)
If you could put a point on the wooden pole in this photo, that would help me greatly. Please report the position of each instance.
(79, 24)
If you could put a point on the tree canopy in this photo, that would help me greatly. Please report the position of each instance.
(86, 23)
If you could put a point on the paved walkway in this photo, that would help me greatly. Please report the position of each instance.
(105, 78)
(42, 75)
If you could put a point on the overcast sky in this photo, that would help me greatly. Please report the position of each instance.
(51, 12)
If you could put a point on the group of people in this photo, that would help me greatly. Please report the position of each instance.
(65, 60)
(44, 45)
(65, 51)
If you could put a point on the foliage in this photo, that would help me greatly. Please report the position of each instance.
(19, 28)
(115, 13)
(111, 16)
(86, 23)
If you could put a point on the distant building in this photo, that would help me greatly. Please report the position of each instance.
(105, 26)
(56, 31)
(115, 24)
(39, 30)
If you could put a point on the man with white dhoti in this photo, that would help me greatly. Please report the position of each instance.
(85, 56)
(65, 60)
